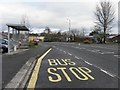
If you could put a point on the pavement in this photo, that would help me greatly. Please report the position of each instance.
(72, 65)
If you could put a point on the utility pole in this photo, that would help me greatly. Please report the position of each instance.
(69, 27)
(8, 40)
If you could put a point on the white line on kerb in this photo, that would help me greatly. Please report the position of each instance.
(107, 73)
(76, 57)
(88, 63)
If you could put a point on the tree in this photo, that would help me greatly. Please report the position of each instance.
(97, 34)
(74, 32)
(59, 33)
(105, 16)
(25, 21)
(47, 29)
(83, 31)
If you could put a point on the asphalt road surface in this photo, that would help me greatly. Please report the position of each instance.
(71, 65)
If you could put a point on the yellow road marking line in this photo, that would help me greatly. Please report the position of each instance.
(33, 79)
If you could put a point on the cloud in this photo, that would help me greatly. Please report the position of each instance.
(52, 14)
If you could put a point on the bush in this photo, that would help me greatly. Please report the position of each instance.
(33, 44)
(87, 42)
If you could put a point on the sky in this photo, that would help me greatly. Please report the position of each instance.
(52, 13)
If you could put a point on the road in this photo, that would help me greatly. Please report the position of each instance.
(72, 65)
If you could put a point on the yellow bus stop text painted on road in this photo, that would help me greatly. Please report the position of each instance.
(83, 73)
(62, 62)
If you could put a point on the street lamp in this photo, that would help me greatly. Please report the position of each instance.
(69, 27)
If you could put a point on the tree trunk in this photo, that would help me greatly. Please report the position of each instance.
(104, 38)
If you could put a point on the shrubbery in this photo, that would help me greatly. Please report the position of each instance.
(87, 42)
(33, 44)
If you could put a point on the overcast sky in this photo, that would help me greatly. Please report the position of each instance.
(54, 14)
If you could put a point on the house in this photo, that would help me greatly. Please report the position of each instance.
(116, 38)
(40, 38)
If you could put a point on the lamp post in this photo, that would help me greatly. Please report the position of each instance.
(69, 27)
(8, 40)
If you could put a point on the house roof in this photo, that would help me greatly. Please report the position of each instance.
(19, 27)
(114, 36)
(117, 36)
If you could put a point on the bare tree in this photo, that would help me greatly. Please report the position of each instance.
(83, 31)
(105, 16)
(74, 33)
(47, 29)
(25, 21)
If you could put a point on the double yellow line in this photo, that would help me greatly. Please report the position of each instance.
(33, 79)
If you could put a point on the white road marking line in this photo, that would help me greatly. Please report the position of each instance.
(81, 58)
(109, 52)
(60, 50)
(76, 47)
(97, 50)
(77, 57)
(88, 63)
(64, 52)
(70, 54)
(88, 50)
(83, 48)
(118, 56)
(101, 53)
(107, 73)
(91, 50)
(104, 71)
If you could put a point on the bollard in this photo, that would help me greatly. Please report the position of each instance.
(15, 48)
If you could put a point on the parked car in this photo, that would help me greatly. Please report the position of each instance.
(3, 46)
(36, 40)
